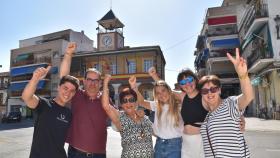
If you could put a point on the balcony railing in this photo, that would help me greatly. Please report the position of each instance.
(36, 61)
(43, 92)
(255, 12)
(258, 54)
(26, 77)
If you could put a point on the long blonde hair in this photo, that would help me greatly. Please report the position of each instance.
(173, 103)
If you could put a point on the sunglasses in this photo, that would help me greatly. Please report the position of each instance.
(187, 80)
(205, 91)
(93, 80)
(129, 100)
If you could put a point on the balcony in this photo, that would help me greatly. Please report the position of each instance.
(19, 86)
(222, 30)
(221, 53)
(40, 92)
(254, 18)
(29, 61)
(259, 59)
(223, 42)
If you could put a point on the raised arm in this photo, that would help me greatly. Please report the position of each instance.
(28, 94)
(153, 73)
(178, 94)
(66, 61)
(110, 110)
(140, 98)
(247, 90)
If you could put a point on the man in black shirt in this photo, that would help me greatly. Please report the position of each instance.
(53, 119)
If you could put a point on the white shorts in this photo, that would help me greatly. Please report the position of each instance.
(192, 146)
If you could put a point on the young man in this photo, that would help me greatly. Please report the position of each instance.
(87, 134)
(51, 125)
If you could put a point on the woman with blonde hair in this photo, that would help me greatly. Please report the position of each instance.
(168, 125)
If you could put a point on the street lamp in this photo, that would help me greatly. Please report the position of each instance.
(277, 21)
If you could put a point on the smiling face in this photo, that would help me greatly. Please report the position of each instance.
(188, 84)
(211, 95)
(128, 104)
(66, 91)
(162, 94)
(92, 83)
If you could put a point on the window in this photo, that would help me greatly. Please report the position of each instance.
(131, 65)
(97, 67)
(148, 63)
(113, 68)
(148, 94)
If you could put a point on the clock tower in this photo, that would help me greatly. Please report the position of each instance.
(110, 36)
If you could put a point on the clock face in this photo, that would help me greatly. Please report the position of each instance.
(106, 40)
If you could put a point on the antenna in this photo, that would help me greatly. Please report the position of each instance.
(111, 4)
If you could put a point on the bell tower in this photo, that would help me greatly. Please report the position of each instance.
(110, 36)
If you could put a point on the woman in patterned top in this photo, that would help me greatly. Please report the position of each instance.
(220, 131)
(136, 130)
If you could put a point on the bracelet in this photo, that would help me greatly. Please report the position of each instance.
(68, 54)
(244, 76)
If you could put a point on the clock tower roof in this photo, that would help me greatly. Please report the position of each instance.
(109, 21)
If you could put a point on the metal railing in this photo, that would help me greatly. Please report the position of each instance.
(258, 54)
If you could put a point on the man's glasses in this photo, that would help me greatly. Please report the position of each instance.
(205, 91)
(187, 80)
(129, 100)
(92, 80)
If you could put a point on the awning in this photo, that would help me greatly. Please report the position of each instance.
(226, 43)
(18, 86)
(222, 20)
(205, 54)
(18, 71)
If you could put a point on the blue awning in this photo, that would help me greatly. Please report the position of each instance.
(30, 69)
(205, 54)
(21, 85)
(226, 43)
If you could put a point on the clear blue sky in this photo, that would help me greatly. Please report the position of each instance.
(171, 24)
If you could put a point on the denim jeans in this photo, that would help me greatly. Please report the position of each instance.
(168, 148)
(73, 153)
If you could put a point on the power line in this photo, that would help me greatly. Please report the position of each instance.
(180, 42)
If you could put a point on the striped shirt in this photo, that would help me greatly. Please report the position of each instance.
(224, 133)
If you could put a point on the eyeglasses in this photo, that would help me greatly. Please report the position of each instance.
(96, 80)
(187, 80)
(205, 91)
(129, 100)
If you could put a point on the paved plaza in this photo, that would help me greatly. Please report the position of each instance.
(262, 136)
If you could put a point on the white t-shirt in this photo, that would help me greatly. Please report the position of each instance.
(165, 126)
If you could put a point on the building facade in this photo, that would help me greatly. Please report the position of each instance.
(252, 26)
(4, 83)
(261, 47)
(123, 61)
(37, 52)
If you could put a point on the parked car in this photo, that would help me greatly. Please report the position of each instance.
(12, 117)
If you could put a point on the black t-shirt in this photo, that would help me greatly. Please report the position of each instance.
(50, 130)
(193, 111)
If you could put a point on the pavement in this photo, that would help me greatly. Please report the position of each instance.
(257, 124)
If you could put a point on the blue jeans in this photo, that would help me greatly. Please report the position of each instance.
(168, 148)
(74, 153)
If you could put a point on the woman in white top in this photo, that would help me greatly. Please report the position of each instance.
(168, 124)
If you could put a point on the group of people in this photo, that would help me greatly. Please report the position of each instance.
(192, 123)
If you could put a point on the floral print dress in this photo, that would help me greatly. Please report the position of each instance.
(136, 138)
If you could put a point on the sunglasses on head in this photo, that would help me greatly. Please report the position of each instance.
(205, 91)
(129, 100)
(187, 80)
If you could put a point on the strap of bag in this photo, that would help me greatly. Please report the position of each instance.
(209, 141)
